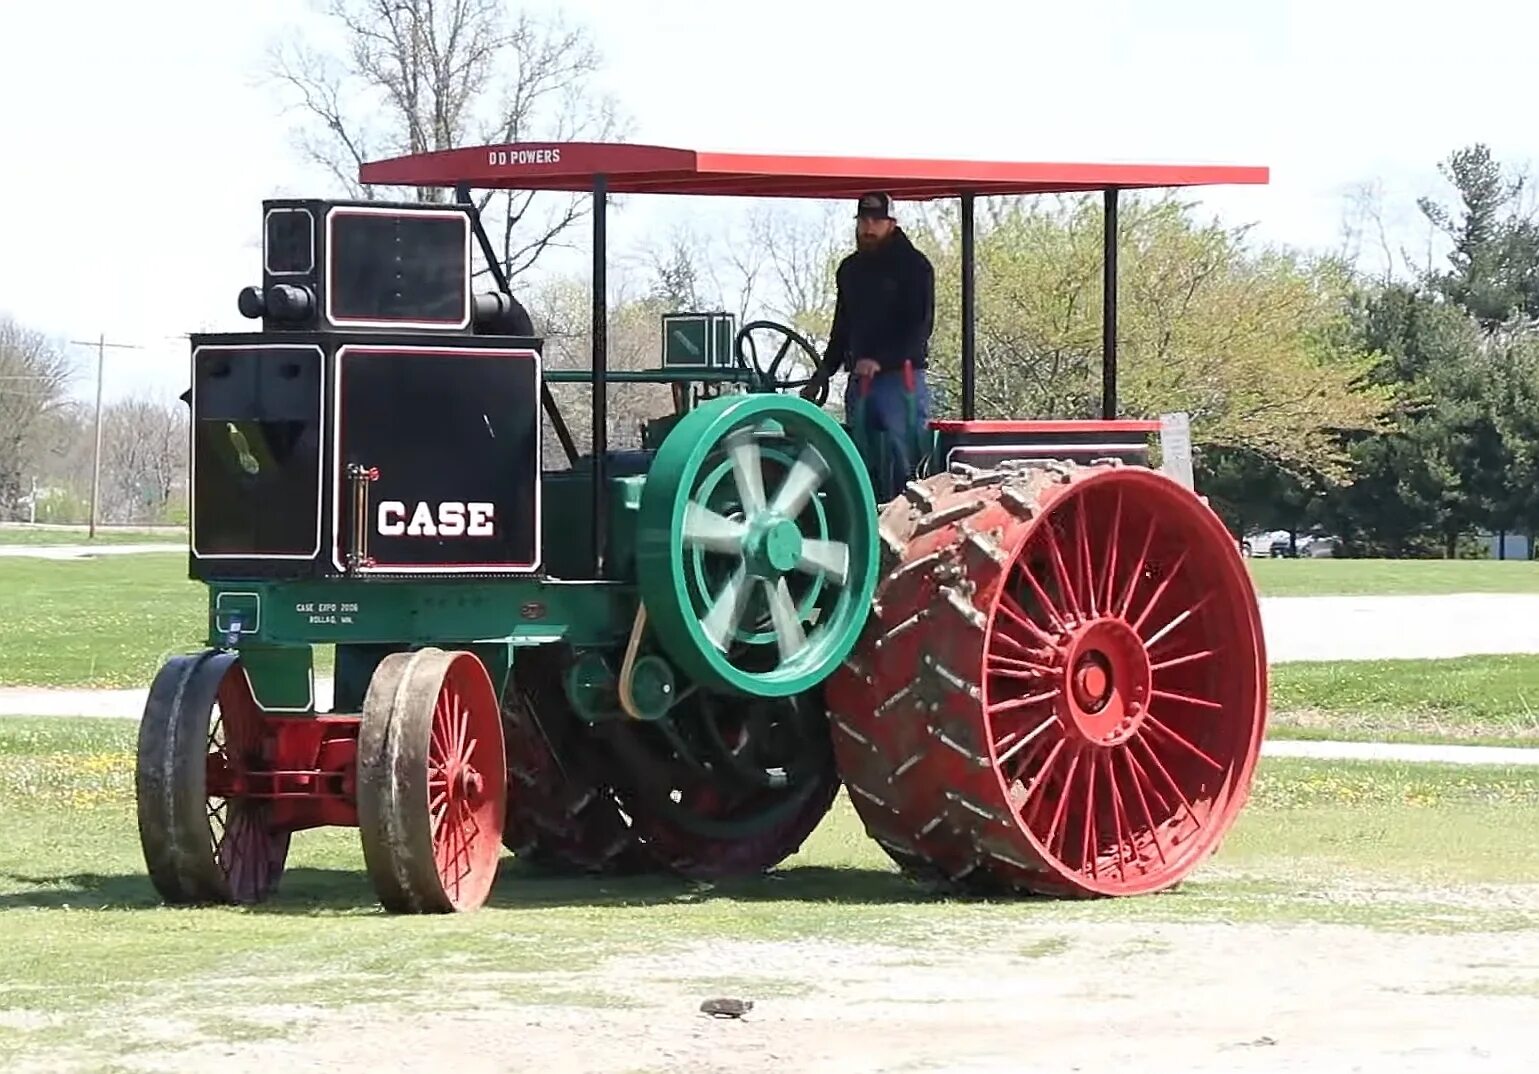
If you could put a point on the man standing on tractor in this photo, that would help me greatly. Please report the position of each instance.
(883, 316)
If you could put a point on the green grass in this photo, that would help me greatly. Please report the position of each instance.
(84, 942)
(16, 535)
(1381, 577)
(1491, 700)
(106, 622)
(111, 622)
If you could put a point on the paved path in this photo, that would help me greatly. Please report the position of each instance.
(1399, 627)
(1297, 628)
(1402, 751)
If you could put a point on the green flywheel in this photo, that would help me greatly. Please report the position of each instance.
(757, 545)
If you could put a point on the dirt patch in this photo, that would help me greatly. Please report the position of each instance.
(1103, 998)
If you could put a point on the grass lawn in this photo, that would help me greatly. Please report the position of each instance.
(1485, 700)
(105, 622)
(111, 622)
(16, 535)
(79, 923)
(1383, 577)
(1385, 847)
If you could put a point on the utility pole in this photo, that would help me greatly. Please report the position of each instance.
(101, 345)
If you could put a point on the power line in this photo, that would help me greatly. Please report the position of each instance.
(96, 455)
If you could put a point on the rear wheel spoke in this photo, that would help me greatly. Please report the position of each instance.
(1143, 803)
(1114, 536)
(1182, 741)
(1159, 591)
(1089, 841)
(1159, 767)
(1082, 553)
(1178, 661)
(1126, 847)
(1187, 699)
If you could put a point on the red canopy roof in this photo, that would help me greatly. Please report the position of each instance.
(640, 169)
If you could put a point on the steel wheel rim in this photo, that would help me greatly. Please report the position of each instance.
(248, 854)
(1116, 802)
(466, 784)
(772, 544)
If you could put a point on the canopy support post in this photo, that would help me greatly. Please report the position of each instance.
(969, 307)
(547, 400)
(600, 339)
(1109, 309)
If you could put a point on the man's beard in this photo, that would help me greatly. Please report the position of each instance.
(866, 243)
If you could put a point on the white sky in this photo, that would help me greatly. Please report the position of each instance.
(136, 142)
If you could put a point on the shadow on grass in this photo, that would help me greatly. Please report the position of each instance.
(322, 891)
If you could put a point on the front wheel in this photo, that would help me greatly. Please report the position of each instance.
(205, 840)
(432, 782)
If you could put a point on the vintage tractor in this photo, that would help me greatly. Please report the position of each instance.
(1038, 669)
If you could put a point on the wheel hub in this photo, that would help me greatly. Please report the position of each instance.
(773, 546)
(652, 687)
(1108, 682)
(469, 781)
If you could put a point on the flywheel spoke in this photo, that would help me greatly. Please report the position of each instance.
(758, 548)
(747, 469)
(704, 528)
(789, 635)
(831, 559)
(806, 477)
(726, 611)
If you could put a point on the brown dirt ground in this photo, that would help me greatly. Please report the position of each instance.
(1220, 998)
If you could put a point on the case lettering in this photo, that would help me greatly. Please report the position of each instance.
(449, 519)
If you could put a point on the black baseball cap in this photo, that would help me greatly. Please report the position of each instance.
(876, 205)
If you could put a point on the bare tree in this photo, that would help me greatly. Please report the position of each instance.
(416, 76)
(34, 377)
(562, 311)
(144, 458)
(800, 254)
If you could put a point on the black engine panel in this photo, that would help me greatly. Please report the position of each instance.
(323, 454)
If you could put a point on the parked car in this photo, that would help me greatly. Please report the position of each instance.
(1259, 543)
(1323, 546)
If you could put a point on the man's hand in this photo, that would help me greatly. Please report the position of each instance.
(867, 367)
(815, 387)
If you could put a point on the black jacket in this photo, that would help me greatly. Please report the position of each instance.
(885, 308)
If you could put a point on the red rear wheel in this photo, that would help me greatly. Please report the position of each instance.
(1091, 687)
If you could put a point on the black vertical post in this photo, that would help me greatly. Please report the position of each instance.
(600, 335)
(1109, 310)
(969, 311)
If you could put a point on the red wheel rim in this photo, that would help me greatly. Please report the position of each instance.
(466, 780)
(1120, 700)
(247, 850)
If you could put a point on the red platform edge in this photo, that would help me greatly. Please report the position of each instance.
(1026, 427)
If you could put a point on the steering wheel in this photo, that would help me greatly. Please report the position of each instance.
(744, 335)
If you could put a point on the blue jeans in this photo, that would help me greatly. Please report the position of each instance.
(886, 426)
